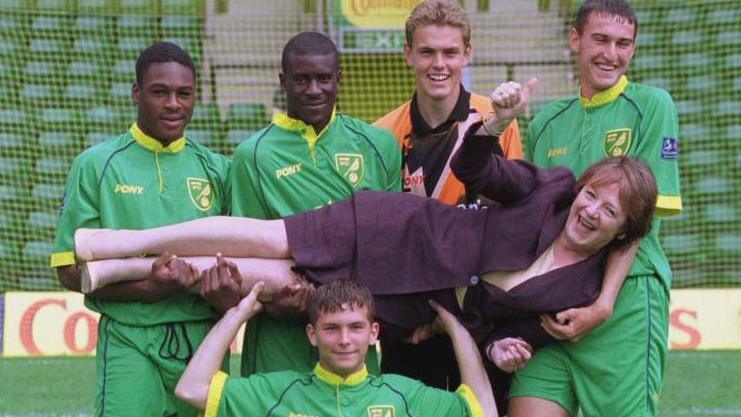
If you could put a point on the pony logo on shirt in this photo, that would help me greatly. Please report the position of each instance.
(381, 411)
(200, 193)
(350, 166)
(617, 142)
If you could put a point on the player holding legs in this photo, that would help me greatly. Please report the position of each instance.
(342, 327)
(617, 369)
(430, 127)
(149, 176)
(307, 158)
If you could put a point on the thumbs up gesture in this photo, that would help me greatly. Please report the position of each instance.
(508, 100)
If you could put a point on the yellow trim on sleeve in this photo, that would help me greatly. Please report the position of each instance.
(215, 392)
(473, 402)
(668, 205)
(62, 259)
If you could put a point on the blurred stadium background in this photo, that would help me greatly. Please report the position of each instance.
(67, 66)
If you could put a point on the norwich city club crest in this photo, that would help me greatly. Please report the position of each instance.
(617, 142)
(200, 193)
(350, 166)
(381, 411)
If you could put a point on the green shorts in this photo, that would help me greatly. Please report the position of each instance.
(138, 367)
(616, 370)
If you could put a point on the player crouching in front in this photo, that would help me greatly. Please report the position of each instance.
(342, 327)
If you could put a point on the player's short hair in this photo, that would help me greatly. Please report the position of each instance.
(438, 13)
(638, 192)
(340, 295)
(618, 8)
(160, 52)
(309, 43)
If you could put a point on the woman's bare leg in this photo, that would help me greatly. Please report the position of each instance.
(237, 237)
(534, 406)
(276, 273)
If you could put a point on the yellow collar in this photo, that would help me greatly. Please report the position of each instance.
(334, 379)
(604, 97)
(306, 131)
(153, 144)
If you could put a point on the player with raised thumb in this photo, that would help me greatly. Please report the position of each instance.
(508, 100)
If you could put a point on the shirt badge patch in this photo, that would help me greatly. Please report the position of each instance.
(669, 148)
(381, 411)
(200, 193)
(350, 166)
(617, 142)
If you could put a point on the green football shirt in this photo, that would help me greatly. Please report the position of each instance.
(323, 393)
(627, 119)
(288, 168)
(132, 182)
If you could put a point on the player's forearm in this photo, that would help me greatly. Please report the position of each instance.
(472, 369)
(70, 277)
(616, 270)
(194, 383)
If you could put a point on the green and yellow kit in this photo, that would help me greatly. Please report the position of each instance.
(322, 393)
(131, 181)
(287, 168)
(618, 368)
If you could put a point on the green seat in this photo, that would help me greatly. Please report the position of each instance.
(183, 7)
(107, 7)
(15, 5)
(92, 47)
(728, 242)
(95, 137)
(96, 26)
(55, 25)
(206, 115)
(13, 26)
(734, 61)
(13, 168)
(680, 244)
(11, 221)
(120, 93)
(692, 132)
(43, 220)
(689, 107)
(695, 59)
(130, 47)
(721, 213)
(56, 6)
(8, 93)
(680, 15)
(713, 185)
(50, 48)
(723, 15)
(35, 252)
(106, 117)
(247, 115)
(11, 141)
(145, 7)
(15, 120)
(52, 170)
(41, 70)
(14, 193)
(648, 62)
(59, 142)
(728, 38)
(12, 50)
(700, 158)
(59, 116)
(702, 83)
(47, 193)
(34, 94)
(734, 133)
(89, 70)
(205, 137)
(137, 25)
(181, 26)
(684, 38)
(124, 70)
(728, 108)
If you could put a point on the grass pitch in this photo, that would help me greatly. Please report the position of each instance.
(698, 384)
